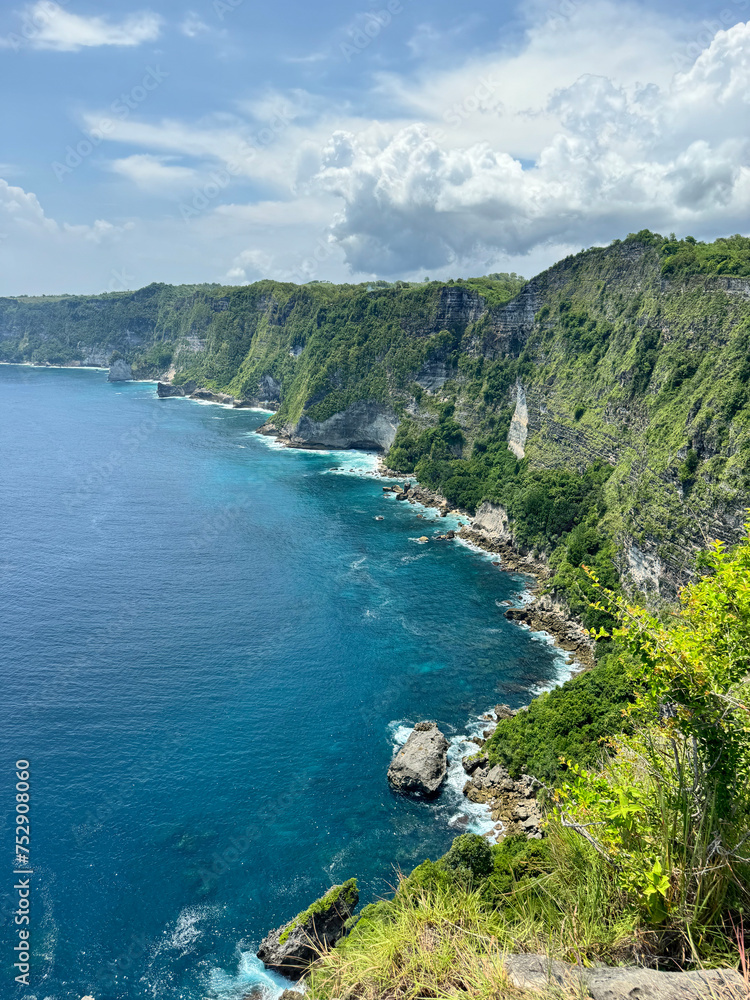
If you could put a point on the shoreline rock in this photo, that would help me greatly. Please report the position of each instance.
(190, 389)
(120, 371)
(490, 530)
(421, 764)
(511, 802)
(292, 948)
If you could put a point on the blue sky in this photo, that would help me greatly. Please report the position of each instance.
(233, 139)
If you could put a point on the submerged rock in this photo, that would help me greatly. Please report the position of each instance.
(293, 948)
(421, 764)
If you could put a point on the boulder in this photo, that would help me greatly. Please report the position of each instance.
(421, 764)
(472, 762)
(291, 949)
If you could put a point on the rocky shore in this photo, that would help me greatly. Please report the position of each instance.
(512, 802)
(489, 529)
(164, 390)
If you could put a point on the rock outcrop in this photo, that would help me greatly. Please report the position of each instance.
(120, 371)
(512, 802)
(421, 764)
(291, 949)
(165, 389)
(364, 424)
(538, 972)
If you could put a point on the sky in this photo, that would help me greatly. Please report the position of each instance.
(234, 140)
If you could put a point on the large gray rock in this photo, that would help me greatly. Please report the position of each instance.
(291, 949)
(538, 972)
(120, 371)
(420, 765)
(646, 984)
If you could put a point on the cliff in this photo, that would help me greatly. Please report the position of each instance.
(618, 359)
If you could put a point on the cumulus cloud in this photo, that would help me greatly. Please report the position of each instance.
(47, 26)
(624, 157)
(577, 133)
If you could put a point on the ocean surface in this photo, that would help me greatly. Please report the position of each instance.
(210, 649)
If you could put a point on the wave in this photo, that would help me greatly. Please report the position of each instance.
(451, 807)
(251, 980)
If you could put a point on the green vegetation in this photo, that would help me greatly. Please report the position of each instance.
(634, 361)
(635, 365)
(670, 810)
(647, 851)
(569, 723)
(345, 894)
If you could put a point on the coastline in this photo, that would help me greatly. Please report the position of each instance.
(541, 614)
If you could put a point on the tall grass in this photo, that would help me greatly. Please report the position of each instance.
(441, 944)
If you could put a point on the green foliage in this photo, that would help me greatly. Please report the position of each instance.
(470, 856)
(670, 809)
(688, 468)
(585, 545)
(726, 256)
(568, 723)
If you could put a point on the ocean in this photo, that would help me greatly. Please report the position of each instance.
(211, 649)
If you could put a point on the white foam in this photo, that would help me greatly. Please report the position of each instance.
(451, 806)
(251, 976)
(186, 930)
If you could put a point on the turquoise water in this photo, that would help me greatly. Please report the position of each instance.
(210, 649)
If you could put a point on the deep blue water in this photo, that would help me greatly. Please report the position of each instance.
(209, 647)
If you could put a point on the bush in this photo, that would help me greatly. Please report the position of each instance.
(569, 723)
(469, 856)
(670, 809)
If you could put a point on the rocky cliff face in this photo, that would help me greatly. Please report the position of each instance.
(367, 425)
(120, 371)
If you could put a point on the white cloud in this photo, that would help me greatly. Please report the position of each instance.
(48, 26)
(579, 133)
(156, 174)
(193, 26)
(622, 157)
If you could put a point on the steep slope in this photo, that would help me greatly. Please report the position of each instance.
(603, 405)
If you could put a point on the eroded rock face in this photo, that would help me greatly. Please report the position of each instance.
(120, 371)
(519, 425)
(269, 390)
(361, 425)
(492, 519)
(165, 389)
(512, 802)
(291, 949)
(421, 764)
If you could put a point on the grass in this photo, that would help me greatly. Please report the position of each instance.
(440, 944)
